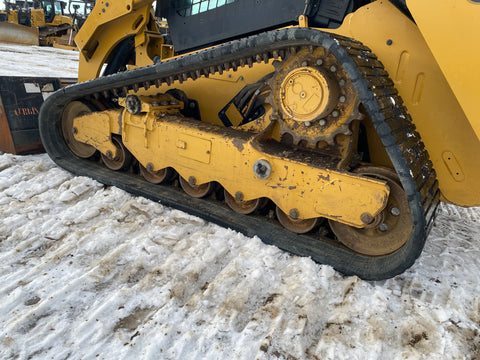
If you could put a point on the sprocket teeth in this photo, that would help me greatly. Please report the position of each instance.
(293, 75)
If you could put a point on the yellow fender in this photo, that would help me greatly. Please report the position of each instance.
(427, 84)
(451, 31)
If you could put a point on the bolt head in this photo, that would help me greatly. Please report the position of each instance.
(192, 181)
(133, 104)
(262, 169)
(383, 227)
(395, 211)
(366, 218)
(238, 196)
(293, 213)
(109, 154)
(319, 62)
(322, 122)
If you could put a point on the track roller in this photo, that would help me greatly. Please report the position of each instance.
(122, 160)
(299, 226)
(196, 191)
(157, 177)
(244, 207)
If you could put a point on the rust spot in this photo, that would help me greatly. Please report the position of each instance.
(325, 178)
(120, 121)
(292, 187)
(238, 143)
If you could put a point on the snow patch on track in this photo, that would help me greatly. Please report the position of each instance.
(91, 272)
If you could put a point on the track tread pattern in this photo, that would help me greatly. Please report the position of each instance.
(397, 126)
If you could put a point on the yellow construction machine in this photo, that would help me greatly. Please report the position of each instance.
(330, 128)
(42, 22)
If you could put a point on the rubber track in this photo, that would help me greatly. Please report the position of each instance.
(377, 93)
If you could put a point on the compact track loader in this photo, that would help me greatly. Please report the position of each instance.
(329, 128)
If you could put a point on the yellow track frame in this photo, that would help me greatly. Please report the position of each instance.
(202, 152)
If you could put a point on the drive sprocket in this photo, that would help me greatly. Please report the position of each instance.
(312, 97)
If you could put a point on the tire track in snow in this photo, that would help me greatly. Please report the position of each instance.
(92, 272)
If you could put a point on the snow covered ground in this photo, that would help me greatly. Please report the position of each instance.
(18, 60)
(91, 272)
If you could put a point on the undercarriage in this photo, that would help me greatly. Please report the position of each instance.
(285, 159)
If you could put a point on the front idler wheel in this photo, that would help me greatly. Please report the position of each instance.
(72, 111)
(388, 231)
